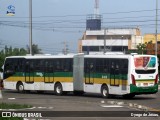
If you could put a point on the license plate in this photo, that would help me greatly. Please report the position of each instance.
(145, 84)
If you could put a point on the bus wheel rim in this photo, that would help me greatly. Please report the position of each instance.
(21, 88)
(105, 92)
(58, 89)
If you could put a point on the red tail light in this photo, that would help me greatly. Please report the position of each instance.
(133, 79)
(156, 80)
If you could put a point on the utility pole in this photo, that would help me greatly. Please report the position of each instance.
(104, 41)
(65, 49)
(156, 37)
(30, 27)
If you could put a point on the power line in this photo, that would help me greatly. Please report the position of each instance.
(75, 15)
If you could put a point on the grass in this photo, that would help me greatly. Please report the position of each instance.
(12, 106)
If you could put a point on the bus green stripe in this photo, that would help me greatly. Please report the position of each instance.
(107, 76)
(41, 74)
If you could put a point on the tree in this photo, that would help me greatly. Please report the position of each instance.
(9, 51)
(141, 47)
(35, 49)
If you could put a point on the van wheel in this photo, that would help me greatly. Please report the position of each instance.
(58, 89)
(20, 87)
(105, 91)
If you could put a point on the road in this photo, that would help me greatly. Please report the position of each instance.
(88, 102)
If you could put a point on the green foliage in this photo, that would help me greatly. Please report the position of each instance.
(13, 106)
(35, 49)
(142, 47)
(9, 51)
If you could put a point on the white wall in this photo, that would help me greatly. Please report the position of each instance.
(112, 32)
(116, 42)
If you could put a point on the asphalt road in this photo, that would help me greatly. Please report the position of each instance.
(115, 107)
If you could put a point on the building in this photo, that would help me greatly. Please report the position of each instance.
(151, 37)
(96, 39)
(151, 46)
(110, 39)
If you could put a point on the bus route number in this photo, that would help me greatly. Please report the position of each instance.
(104, 76)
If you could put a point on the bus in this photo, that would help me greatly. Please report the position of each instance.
(106, 74)
(39, 73)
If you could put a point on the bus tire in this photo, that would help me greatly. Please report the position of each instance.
(105, 91)
(58, 89)
(20, 87)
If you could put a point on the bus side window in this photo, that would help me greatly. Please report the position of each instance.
(57, 64)
(91, 65)
(117, 68)
(27, 67)
(112, 67)
(68, 65)
(106, 66)
(50, 66)
(100, 65)
(39, 65)
(32, 65)
(124, 66)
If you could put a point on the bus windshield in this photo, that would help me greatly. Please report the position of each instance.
(145, 62)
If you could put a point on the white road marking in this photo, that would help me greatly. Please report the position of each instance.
(41, 107)
(11, 98)
(31, 108)
(107, 106)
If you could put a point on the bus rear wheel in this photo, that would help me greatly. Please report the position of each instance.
(105, 91)
(58, 89)
(20, 87)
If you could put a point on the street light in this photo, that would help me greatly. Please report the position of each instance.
(122, 43)
(30, 27)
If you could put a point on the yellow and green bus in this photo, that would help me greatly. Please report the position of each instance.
(107, 74)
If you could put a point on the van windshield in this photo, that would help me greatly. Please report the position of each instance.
(145, 62)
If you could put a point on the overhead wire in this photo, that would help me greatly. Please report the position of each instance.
(77, 24)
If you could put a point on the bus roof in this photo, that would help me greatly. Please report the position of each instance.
(86, 56)
(115, 56)
(42, 56)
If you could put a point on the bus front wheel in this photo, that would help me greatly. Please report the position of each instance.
(20, 87)
(58, 89)
(105, 91)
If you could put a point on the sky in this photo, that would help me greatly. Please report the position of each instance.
(59, 21)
